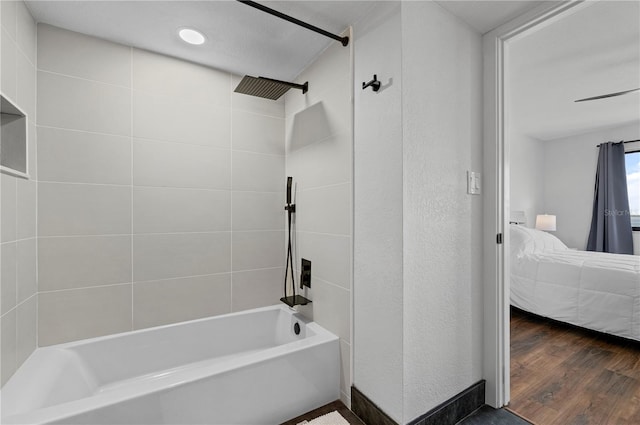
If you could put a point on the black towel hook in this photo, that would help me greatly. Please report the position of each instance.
(374, 84)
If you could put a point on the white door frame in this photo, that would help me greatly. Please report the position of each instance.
(496, 200)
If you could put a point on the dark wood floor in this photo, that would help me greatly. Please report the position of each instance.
(565, 375)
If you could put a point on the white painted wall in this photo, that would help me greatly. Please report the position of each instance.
(526, 163)
(442, 228)
(378, 309)
(569, 178)
(418, 314)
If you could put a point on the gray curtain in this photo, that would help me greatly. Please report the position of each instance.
(611, 220)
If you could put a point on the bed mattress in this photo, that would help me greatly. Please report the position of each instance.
(599, 291)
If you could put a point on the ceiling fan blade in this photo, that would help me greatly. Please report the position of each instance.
(620, 93)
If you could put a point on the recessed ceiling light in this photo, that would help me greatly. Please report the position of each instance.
(191, 36)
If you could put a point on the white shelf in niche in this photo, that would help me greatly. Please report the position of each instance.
(14, 151)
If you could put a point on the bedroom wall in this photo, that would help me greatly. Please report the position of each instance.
(527, 179)
(569, 177)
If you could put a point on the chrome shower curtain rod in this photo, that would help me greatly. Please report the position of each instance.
(343, 40)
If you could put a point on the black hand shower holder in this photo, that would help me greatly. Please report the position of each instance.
(291, 300)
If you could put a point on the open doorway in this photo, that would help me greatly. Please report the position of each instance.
(572, 325)
(498, 168)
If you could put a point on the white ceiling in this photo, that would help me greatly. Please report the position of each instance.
(593, 51)
(240, 39)
(485, 15)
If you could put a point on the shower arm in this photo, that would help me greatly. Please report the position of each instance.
(304, 87)
(343, 40)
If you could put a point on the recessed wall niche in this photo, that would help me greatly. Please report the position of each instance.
(13, 139)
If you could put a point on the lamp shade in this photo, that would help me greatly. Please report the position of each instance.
(546, 222)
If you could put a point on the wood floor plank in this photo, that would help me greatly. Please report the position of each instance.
(629, 412)
(561, 374)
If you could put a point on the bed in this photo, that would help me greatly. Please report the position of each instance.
(594, 290)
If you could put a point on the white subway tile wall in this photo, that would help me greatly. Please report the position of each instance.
(174, 119)
(83, 313)
(182, 299)
(160, 194)
(9, 190)
(78, 104)
(97, 158)
(78, 262)
(26, 209)
(251, 289)
(18, 271)
(8, 271)
(26, 274)
(319, 152)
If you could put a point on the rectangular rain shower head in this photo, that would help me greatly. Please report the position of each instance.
(267, 87)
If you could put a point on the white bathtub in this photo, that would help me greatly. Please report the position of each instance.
(240, 368)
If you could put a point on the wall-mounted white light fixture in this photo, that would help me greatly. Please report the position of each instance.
(191, 36)
(546, 222)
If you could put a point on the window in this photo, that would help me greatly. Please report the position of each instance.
(632, 165)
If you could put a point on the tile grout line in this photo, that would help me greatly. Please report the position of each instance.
(230, 82)
(173, 142)
(164, 95)
(18, 304)
(15, 220)
(163, 279)
(16, 244)
(131, 175)
(77, 77)
(36, 181)
(53, 182)
(82, 288)
(107, 235)
(77, 130)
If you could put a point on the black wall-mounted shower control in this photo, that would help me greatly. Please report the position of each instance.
(305, 276)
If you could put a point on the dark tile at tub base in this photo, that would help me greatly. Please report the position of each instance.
(366, 410)
(487, 415)
(455, 409)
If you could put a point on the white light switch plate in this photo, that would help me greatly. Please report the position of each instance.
(473, 183)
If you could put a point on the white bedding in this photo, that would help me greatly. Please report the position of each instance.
(594, 290)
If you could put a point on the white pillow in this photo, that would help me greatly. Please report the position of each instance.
(545, 241)
(525, 240)
(521, 240)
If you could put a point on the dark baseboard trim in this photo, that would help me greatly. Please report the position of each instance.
(455, 409)
(367, 411)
